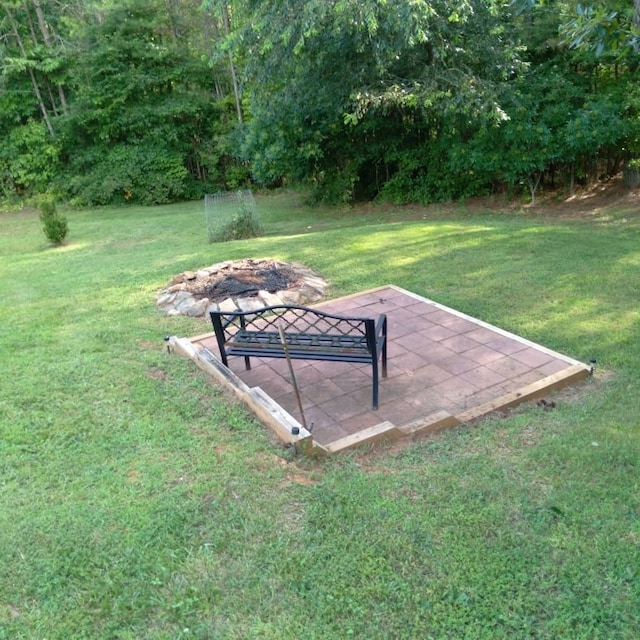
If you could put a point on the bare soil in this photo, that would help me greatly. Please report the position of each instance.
(593, 202)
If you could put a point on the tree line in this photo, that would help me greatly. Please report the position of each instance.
(152, 101)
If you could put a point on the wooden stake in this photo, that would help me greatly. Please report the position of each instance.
(285, 347)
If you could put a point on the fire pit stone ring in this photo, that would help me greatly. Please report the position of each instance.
(240, 285)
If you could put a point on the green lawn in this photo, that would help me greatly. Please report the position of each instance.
(137, 500)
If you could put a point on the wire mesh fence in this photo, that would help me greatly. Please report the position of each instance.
(231, 215)
(631, 174)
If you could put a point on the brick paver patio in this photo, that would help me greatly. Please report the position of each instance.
(444, 368)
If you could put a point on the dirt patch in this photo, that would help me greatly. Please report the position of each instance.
(594, 201)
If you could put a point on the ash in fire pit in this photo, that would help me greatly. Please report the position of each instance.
(241, 285)
(247, 283)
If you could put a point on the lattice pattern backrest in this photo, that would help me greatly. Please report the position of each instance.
(293, 320)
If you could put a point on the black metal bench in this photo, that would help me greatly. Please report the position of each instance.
(308, 334)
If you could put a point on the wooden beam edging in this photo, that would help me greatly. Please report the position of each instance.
(262, 405)
(203, 336)
(530, 392)
(389, 432)
(438, 421)
(381, 431)
(279, 420)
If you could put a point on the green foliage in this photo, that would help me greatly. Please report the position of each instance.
(429, 101)
(54, 224)
(439, 103)
(115, 92)
(610, 29)
(375, 66)
(243, 225)
(125, 173)
(236, 176)
(29, 158)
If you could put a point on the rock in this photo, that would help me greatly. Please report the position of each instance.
(290, 297)
(269, 299)
(181, 296)
(249, 304)
(315, 282)
(184, 306)
(198, 308)
(310, 293)
(165, 299)
(218, 266)
(228, 305)
(304, 287)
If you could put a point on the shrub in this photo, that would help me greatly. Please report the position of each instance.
(631, 173)
(144, 174)
(242, 225)
(54, 224)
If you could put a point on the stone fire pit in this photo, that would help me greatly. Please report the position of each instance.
(240, 285)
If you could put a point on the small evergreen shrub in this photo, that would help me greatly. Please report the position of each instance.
(54, 224)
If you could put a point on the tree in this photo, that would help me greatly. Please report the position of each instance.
(143, 109)
(24, 62)
(221, 29)
(154, 100)
(320, 73)
(34, 47)
(611, 28)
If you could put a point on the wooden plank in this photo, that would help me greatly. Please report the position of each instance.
(438, 421)
(181, 346)
(203, 336)
(277, 419)
(210, 364)
(530, 392)
(382, 431)
(262, 405)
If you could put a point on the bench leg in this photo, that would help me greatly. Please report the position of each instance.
(384, 349)
(247, 363)
(375, 385)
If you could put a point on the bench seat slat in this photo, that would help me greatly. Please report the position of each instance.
(306, 354)
(305, 340)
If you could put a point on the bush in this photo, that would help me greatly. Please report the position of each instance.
(242, 225)
(54, 224)
(631, 173)
(144, 174)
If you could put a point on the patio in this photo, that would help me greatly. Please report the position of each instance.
(445, 369)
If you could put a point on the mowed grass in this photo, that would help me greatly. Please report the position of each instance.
(138, 500)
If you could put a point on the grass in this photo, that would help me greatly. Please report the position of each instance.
(137, 500)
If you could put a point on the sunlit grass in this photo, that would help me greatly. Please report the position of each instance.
(137, 500)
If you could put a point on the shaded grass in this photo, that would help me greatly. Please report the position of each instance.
(139, 501)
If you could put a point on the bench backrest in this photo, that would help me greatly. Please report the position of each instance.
(293, 320)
